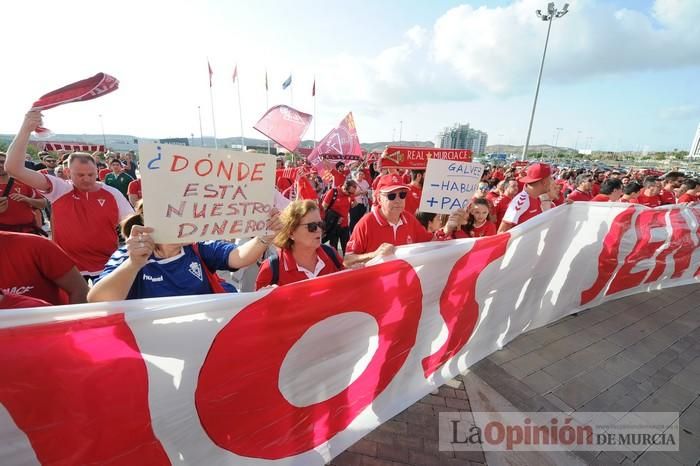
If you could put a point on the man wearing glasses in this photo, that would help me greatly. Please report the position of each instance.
(387, 225)
(584, 183)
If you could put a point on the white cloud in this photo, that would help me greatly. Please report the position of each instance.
(680, 112)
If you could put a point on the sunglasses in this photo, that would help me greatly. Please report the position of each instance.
(392, 196)
(313, 226)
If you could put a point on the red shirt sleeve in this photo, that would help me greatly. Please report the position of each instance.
(51, 259)
(357, 244)
(264, 275)
(422, 235)
(133, 187)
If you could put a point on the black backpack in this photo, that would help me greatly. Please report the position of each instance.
(275, 262)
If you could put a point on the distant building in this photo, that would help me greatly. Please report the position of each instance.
(695, 146)
(462, 137)
(176, 141)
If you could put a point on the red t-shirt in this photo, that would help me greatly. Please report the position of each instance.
(18, 213)
(135, 188)
(579, 196)
(500, 206)
(102, 173)
(686, 198)
(406, 178)
(36, 263)
(629, 201)
(12, 301)
(649, 201)
(84, 223)
(492, 197)
(305, 190)
(522, 208)
(338, 178)
(487, 229)
(413, 199)
(341, 205)
(289, 270)
(667, 197)
(595, 189)
(373, 230)
(498, 174)
(601, 198)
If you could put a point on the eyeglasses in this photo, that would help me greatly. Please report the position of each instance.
(392, 196)
(313, 226)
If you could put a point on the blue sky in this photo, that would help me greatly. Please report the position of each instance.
(619, 75)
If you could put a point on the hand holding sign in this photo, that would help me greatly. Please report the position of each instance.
(449, 185)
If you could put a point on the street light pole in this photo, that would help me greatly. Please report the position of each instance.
(552, 13)
(104, 139)
(201, 134)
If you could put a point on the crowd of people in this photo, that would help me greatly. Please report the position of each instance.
(329, 218)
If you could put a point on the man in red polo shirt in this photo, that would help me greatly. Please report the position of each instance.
(582, 192)
(135, 192)
(527, 204)
(387, 225)
(610, 191)
(415, 190)
(337, 203)
(85, 213)
(672, 181)
(18, 205)
(39, 269)
(650, 194)
(690, 193)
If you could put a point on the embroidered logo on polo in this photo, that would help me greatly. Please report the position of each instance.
(102, 202)
(196, 270)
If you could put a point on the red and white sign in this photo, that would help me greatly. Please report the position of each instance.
(416, 158)
(299, 373)
(72, 146)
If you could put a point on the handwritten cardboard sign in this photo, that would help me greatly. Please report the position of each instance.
(197, 193)
(449, 185)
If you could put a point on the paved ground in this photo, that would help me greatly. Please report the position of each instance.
(636, 354)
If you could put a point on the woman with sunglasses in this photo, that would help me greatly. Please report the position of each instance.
(300, 254)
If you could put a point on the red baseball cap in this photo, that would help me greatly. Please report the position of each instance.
(536, 172)
(390, 182)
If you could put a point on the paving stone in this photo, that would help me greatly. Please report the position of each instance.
(619, 365)
(575, 393)
(365, 447)
(525, 365)
(560, 405)
(541, 382)
(690, 420)
(348, 458)
(523, 345)
(503, 356)
(688, 380)
(605, 349)
(656, 458)
(598, 378)
(654, 405)
(675, 395)
(563, 370)
(689, 451)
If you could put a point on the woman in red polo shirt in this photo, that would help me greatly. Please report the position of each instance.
(300, 254)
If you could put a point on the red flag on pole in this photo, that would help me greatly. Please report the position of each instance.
(79, 91)
(338, 143)
(211, 73)
(313, 89)
(235, 74)
(284, 125)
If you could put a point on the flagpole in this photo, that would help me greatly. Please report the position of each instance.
(314, 111)
(267, 106)
(240, 111)
(213, 121)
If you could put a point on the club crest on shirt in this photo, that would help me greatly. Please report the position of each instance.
(102, 202)
(409, 240)
(196, 270)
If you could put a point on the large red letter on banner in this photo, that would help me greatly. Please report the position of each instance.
(79, 391)
(238, 398)
(458, 305)
(607, 261)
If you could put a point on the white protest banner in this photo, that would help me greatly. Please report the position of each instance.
(449, 185)
(198, 193)
(228, 379)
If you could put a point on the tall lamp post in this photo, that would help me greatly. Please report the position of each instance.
(552, 13)
(104, 139)
(201, 133)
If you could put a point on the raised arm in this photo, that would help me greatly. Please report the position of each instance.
(14, 163)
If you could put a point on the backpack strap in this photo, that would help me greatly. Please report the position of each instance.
(213, 279)
(332, 254)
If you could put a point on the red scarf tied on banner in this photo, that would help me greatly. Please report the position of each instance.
(86, 89)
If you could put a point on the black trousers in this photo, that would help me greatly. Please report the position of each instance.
(341, 234)
(356, 213)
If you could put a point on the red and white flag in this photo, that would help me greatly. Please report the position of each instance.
(313, 89)
(235, 74)
(284, 125)
(211, 73)
(339, 143)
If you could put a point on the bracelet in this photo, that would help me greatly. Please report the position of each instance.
(264, 242)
